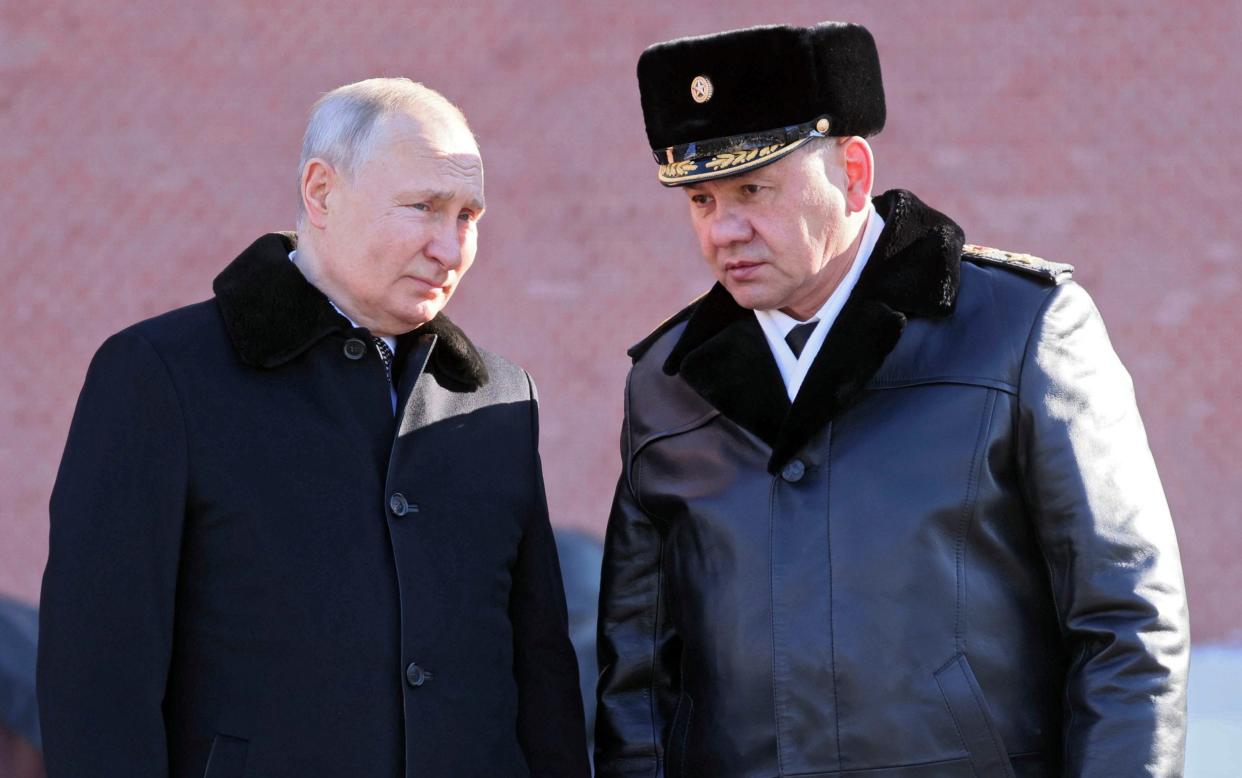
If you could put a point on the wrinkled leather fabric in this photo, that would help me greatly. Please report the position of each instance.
(972, 572)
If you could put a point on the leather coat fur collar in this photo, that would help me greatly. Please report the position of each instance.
(273, 314)
(723, 355)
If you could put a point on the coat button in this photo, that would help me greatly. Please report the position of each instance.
(793, 471)
(355, 349)
(398, 504)
(416, 676)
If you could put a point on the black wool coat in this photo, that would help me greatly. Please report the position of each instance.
(256, 569)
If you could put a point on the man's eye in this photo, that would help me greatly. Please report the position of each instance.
(700, 199)
(420, 206)
(465, 216)
(751, 189)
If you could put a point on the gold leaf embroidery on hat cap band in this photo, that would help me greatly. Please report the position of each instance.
(724, 163)
(677, 169)
(728, 159)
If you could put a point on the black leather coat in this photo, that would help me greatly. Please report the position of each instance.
(950, 557)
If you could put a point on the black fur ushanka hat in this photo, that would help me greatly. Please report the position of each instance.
(722, 104)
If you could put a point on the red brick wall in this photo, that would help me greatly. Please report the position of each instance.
(143, 144)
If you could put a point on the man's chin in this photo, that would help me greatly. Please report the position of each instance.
(411, 318)
(750, 297)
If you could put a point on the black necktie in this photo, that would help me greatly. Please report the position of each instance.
(386, 355)
(799, 335)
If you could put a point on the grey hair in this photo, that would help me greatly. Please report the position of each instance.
(343, 123)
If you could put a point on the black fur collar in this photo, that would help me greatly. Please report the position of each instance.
(272, 314)
(723, 355)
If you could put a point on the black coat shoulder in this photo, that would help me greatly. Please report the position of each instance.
(506, 380)
(640, 348)
(1053, 272)
(189, 327)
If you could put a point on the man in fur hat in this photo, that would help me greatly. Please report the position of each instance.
(887, 507)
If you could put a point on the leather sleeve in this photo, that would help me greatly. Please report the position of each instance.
(106, 615)
(636, 645)
(551, 725)
(1107, 537)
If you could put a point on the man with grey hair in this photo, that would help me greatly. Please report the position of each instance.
(300, 529)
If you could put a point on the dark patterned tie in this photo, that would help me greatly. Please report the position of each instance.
(799, 335)
(386, 355)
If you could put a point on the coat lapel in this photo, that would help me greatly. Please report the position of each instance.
(723, 355)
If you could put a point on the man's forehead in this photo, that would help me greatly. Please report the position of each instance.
(453, 175)
(436, 151)
(433, 136)
(461, 163)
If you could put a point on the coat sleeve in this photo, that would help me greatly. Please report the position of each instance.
(1108, 541)
(106, 615)
(637, 648)
(551, 725)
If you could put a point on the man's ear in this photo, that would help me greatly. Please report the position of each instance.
(318, 179)
(859, 173)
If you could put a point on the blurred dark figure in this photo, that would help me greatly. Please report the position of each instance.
(19, 714)
(581, 556)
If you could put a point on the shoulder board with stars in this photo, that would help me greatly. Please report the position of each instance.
(1024, 263)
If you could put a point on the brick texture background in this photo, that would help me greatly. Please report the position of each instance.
(143, 144)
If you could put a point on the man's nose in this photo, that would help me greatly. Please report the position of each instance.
(445, 246)
(729, 227)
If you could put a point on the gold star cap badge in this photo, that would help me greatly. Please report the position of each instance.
(701, 89)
